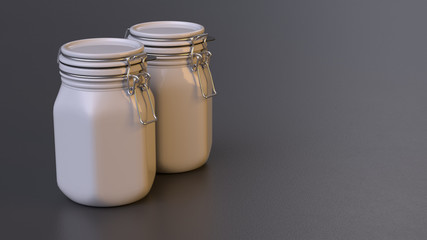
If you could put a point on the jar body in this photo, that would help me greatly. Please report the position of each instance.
(104, 155)
(184, 126)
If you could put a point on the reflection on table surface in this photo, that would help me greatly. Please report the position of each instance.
(178, 204)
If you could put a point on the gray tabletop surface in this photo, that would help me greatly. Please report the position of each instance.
(320, 124)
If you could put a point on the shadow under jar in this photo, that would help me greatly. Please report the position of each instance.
(183, 86)
(104, 122)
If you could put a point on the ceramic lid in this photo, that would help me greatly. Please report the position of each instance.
(102, 48)
(97, 52)
(166, 33)
(99, 56)
(167, 29)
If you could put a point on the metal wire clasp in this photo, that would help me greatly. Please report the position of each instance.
(202, 59)
(139, 84)
(127, 33)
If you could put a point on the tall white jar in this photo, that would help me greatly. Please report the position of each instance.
(183, 87)
(104, 122)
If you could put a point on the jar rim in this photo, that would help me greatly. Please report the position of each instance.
(102, 48)
(166, 29)
(101, 56)
(167, 33)
(93, 73)
(175, 51)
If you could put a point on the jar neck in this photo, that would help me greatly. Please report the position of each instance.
(101, 78)
(171, 61)
(107, 83)
(123, 81)
(184, 59)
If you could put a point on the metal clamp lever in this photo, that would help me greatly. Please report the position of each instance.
(202, 59)
(127, 33)
(205, 65)
(140, 98)
(137, 89)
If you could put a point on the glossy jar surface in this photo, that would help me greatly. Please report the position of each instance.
(104, 155)
(184, 128)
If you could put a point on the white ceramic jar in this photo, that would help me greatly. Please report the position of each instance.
(183, 86)
(104, 122)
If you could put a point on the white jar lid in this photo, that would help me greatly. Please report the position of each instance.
(99, 56)
(166, 33)
(167, 29)
(102, 48)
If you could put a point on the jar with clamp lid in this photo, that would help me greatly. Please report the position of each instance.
(183, 86)
(104, 122)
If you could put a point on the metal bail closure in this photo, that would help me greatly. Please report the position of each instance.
(127, 33)
(144, 103)
(140, 89)
(202, 60)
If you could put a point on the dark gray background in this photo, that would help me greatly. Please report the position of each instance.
(320, 125)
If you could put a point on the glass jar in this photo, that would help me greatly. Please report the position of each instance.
(182, 85)
(104, 122)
